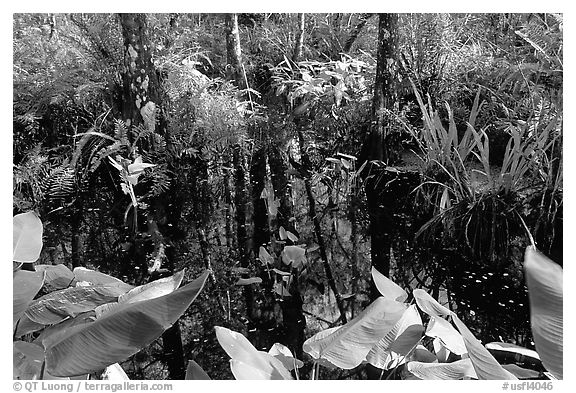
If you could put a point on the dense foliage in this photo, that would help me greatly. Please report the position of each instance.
(237, 152)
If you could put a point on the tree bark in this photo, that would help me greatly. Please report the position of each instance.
(76, 245)
(299, 38)
(234, 69)
(375, 148)
(141, 104)
(281, 186)
(261, 231)
(140, 83)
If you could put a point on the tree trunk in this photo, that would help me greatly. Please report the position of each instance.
(140, 83)
(375, 148)
(281, 186)
(234, 69)
(299, 38)
(141, 103)
(76, 238)
(261, 231)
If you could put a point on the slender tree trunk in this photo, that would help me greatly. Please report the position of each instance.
(299, 38)
(240, 202)
(261, 231)
(229, 233)
(375, 148)
(141, 107)
(281, 186)
(353, 205)
(235, 69)
(76, 238)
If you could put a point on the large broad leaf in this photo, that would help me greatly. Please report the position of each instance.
(27, 360)
(485, 365)
(521, 372)
(82, 319)
(246, 361)
(154, 289)
(430, 305)
(151, 290)
(195, 372)
(506, 353)
(26, 326)
(26, 237)
(348, 346)
(94, 277)
(119, 334)
(283, 353)
(388, 288)
(460, 369)
(312, 351)
(452, 340)
(392, 349)
(545, 291)
(56, 306)
(57, 276)
(25, 285)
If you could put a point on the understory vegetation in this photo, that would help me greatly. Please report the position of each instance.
(288, 196)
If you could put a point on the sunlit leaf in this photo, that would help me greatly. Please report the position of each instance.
(388, 288)
(26, 237)
(280, 289)
(56, 306)
(282, 353)
(154, 289)
(449, 336)
(460, 369)
(248, 281)
(246, 361)
(281, 272)
(138, 167)
(509, 353)
(485, 365)
(348, 346)
(25, 286)
(292, 237)
(442, 353)
(546, 294)
(118, 334)
(430, 305)
(405, 334)
(265, 257)
(57, 276)
(282, 233)
(294, 255)
(195, 372)
(94, 277)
